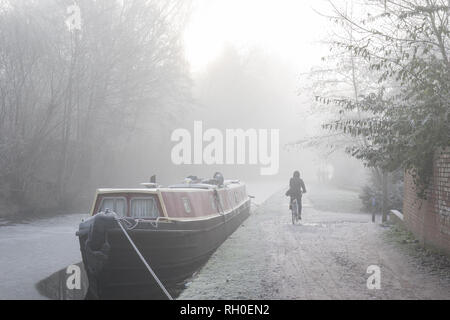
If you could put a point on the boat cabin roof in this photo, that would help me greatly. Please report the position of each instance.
(178, 201)
(174, 188)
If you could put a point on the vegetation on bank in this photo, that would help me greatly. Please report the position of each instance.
(402, 117)
(428, 260)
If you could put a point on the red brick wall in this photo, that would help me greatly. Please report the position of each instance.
(430, 220)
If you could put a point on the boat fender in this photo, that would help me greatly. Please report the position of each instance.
(97, 247)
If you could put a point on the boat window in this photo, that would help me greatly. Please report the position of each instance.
(144, 208)
(117, 205)
(187, 205)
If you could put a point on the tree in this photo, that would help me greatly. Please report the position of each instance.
(407, 118)
(73, 105)
(343, 75)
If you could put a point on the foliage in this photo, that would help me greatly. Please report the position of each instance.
(406, 119)
(375, 190)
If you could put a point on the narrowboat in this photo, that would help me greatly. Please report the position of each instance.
(175, 228)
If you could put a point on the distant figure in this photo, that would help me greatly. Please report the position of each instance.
(219, 178)
(296, 190)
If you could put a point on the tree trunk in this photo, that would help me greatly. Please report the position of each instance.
(385, 197)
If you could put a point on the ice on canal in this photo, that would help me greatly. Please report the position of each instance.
(32, 251)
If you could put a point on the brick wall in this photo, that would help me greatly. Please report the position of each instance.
(430, 220)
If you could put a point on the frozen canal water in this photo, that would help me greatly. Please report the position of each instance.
(32, 251)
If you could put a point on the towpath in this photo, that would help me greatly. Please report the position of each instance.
(325, 257)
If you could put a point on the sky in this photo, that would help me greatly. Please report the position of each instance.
(290, 29)
(287, 31)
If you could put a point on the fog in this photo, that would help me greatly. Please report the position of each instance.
(249, 63)
(353, 94)
(96, 105)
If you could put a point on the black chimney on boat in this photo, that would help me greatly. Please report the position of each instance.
(152, 184)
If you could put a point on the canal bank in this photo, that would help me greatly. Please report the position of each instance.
(325, 257)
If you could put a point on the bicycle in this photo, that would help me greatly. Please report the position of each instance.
(295, 211)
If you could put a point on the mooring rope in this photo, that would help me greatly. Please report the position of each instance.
(143, 260)
(218, 202)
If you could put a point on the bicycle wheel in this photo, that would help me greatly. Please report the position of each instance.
(294, 211)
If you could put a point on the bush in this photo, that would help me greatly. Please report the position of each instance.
(374, 191)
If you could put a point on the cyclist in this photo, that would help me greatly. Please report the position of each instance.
(296, 189)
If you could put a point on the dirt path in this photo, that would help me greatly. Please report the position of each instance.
(326, 257)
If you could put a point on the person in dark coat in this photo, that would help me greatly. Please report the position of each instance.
(296, 190)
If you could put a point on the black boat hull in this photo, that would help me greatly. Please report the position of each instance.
(175, 250)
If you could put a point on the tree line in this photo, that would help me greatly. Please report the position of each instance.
(77, 106)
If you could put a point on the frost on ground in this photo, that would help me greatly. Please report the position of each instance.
(325, 257)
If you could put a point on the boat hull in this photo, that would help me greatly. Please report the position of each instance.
(175, 250)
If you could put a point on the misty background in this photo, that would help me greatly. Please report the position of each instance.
(95, 107)
(359, 89)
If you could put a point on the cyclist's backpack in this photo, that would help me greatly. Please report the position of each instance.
(288, 193)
